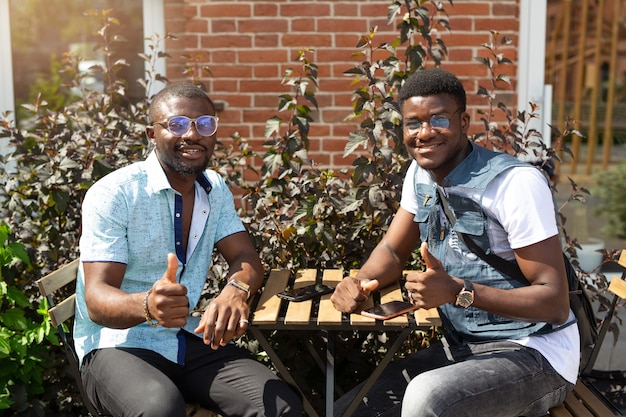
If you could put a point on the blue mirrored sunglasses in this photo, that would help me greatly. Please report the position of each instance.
(179, 125)
(437, 121)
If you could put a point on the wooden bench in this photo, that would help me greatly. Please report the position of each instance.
(61, 311)
(582, 402)
(585, 401)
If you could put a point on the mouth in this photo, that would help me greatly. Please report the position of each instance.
(191, 152)
(425, 148)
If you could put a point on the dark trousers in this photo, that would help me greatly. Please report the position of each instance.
(139, 382)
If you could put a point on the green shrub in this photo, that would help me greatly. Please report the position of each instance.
(22, 331)
(610, 190)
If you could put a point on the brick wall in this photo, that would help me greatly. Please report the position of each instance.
(248, 45)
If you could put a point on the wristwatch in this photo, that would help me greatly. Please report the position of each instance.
(465, 297)
(241, 285)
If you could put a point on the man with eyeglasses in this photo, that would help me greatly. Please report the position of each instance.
(149, 231)
(510, 348)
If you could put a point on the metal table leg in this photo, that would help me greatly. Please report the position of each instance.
(379, 369)
(330, 372)
(282, 369)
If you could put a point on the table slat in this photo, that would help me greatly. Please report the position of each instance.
(269, 304)
(355, 318)
(328, 314)
(300, 312)
(428, 317)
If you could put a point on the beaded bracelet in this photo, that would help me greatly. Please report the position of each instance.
(146, 311)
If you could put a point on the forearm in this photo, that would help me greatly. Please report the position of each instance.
(383, 265)
(247, 269)
(111, 307)
(534, 303)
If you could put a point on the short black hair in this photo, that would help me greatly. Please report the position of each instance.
(430, 82)
(182, 89)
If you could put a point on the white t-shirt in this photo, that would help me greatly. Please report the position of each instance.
(522, 203)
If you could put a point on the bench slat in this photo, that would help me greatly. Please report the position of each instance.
(58, 279)
(63, 311)
(576, 408)
(618, 287)
(591, 401)
(581, 402)
(559, 411)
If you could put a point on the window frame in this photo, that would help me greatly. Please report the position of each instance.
(153, 23)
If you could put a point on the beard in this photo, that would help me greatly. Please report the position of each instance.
(181, 166)
(184, 168)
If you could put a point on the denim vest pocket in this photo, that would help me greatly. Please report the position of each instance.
(427, 197)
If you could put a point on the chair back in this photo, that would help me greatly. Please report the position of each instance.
(617, 287)
(55, 287)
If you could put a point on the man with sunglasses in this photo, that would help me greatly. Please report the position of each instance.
(510, 349)
(149, 231)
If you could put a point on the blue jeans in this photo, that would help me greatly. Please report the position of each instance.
(139, 382)
(484, 379)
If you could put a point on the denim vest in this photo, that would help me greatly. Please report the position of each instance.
(464, 187)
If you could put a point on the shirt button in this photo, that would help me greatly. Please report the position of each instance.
(177, 243)
(195, 236)
(177, 214)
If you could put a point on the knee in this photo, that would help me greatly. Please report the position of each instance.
(163, 402)
(422, 397)
(288, 402)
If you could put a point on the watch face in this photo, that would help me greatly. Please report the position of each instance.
(465, 299)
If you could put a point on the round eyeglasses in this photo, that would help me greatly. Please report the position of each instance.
(179, 125)
(436, 123)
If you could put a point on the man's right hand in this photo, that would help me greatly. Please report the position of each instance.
(351, 292)
(168, 302)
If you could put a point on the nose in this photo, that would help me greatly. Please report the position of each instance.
(192, 132)
(424, 131)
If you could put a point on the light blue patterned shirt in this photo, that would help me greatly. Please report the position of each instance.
(129, 217)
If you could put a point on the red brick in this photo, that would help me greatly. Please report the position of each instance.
(310, 8)
(341, 25)
(266, 40)
(221, 26)
(226, 41)
(307, 40)
(228, 9)
(303, 25)
(261, 25)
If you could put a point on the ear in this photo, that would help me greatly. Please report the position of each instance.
(465, 122)
(150, 133)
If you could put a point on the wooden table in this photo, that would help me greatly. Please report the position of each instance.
(269, 312)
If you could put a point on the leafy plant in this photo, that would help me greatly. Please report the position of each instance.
(22, 331)
(610, 190)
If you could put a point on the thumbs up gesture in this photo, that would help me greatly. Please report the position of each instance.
(434, 286)
(168, 303)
